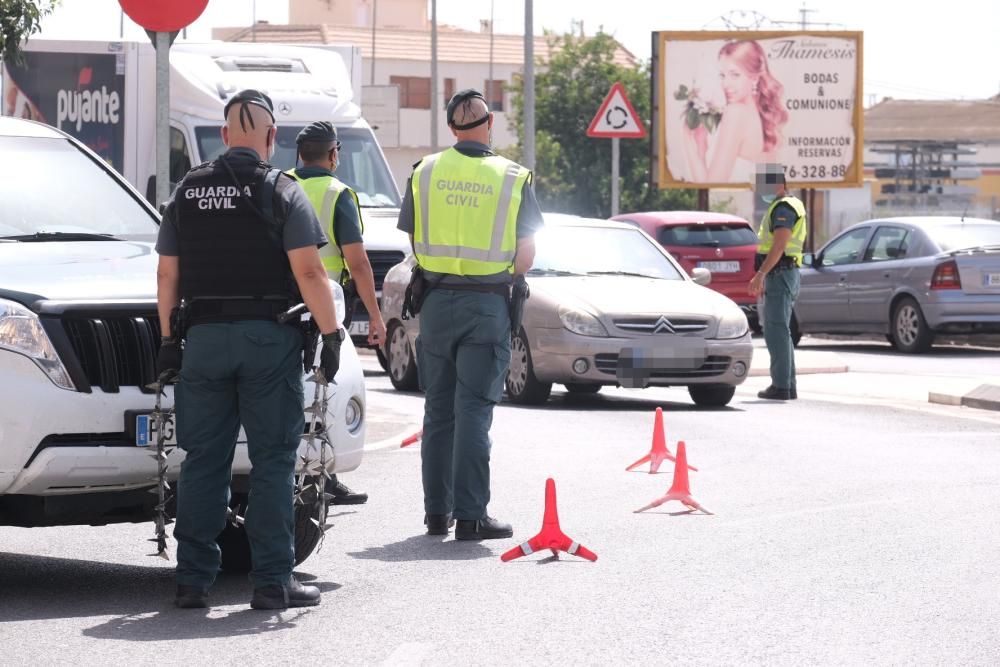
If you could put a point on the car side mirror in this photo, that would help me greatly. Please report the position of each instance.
(807, 259)
(701, 276)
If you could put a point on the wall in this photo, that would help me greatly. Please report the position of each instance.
(409, 14)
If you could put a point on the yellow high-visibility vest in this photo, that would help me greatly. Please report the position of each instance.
(798, 239)
(465, 213)
(323, 193)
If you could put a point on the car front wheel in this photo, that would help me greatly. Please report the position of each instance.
(522, 386)
(399, 355)
(909, 328)
(235, 544)
(712, 395)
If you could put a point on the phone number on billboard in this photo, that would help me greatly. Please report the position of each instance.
(816, 171)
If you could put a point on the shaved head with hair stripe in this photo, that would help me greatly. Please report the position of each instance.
(255, 132)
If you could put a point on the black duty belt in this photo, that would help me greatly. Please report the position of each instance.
(503, 289)
(205, 310)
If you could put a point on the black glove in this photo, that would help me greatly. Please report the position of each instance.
(329, 358)
(169, 357)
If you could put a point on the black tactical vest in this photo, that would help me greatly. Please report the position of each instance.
(228, 250)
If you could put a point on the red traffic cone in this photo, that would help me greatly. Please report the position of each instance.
(412, 439)
(551, 535)
(681, 488)
(659, 452)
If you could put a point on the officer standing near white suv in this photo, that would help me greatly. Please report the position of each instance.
(239, 244)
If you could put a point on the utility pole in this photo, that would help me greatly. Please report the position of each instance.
(489, 93)
(434, 76)
(529, 86)
(253, 27)
(374, 6)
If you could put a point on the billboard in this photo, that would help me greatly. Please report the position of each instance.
(81, 94)
(728, 101)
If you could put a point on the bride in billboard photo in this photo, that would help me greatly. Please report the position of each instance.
(729, 127)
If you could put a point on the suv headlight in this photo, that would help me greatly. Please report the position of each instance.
(581, 322)
(21, 331)
(339, 302)
(733, 325)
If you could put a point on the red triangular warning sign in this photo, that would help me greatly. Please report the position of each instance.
(616, 117)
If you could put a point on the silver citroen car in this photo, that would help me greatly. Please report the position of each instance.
(608, 307)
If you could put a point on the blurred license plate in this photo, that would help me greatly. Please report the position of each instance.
(992, 279)
(145, 431)
(721, 267)
(358, 328)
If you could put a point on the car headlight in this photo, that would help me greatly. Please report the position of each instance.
(21, 331)
(733, 325)
(581, 322)
(338, 301)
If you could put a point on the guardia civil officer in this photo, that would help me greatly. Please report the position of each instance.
(345, 258)
(471, 216)
(782, 236)
(239, 244)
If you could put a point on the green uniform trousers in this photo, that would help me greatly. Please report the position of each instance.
(463, 352)
(249, 372)
(781, 288)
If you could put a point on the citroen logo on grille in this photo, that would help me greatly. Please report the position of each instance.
(663, 325)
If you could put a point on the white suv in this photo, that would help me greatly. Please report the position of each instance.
(78, 342)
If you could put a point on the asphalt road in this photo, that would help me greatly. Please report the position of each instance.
(842, 534)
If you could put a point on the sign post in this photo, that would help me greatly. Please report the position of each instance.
(163, 19)
(616, 119)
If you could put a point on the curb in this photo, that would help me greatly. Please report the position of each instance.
(393, 441)
(983, 397)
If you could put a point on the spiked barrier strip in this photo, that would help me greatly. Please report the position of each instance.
(162, 418)
(311, 482)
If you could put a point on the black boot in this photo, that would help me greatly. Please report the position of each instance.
(342, 495)
(191, 597)
(776, 394)
(487, 528)
(293, 594)
(438, 524)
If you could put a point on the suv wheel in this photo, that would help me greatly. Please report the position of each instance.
(712, 395)
(522, 386)
(235, 544)
(399, 354)
(909, 328)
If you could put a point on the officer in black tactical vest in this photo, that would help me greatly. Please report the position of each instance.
(238, 246)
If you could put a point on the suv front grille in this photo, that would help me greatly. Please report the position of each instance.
(382, 261)
(116, 351)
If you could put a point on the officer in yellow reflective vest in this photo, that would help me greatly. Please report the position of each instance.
(344, 258)
(782, 236)
(471, 216)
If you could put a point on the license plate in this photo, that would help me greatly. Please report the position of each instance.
(145, 431)
(721, 267)
(991, 280)
(358, 328)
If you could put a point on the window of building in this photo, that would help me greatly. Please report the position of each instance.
(449, 91)
(493, 91)
(414, 91)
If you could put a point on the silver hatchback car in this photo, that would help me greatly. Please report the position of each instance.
(908, 278)
(608, 306)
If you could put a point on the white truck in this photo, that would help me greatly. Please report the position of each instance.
(104, 95)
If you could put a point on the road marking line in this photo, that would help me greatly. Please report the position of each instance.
(410, 653)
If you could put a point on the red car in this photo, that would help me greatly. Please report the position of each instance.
(722, 243)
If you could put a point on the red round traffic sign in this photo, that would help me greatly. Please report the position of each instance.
(163, 15)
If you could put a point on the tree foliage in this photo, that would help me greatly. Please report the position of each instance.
(573, 171)
(19, 20)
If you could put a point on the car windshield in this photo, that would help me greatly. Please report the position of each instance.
(89, 205)
(955, 237)
(362, 166)
(600, 250)
(723, 235)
